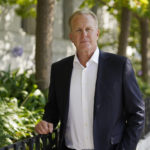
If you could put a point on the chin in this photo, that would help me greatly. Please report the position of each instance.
(86, 48)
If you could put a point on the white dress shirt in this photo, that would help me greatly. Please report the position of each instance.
(79, 131)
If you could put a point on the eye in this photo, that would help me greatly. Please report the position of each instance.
(88, 29)
(78, 30)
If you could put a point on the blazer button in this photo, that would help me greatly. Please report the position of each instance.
(98, 106)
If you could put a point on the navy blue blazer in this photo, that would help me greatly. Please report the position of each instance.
(118, 105)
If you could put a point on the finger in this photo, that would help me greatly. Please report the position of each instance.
(42, 128)
(38, 128)
(42, 131)
(50, 127)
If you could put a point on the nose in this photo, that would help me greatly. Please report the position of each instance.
(84, 33)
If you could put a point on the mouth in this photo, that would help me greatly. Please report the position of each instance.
(84, 42)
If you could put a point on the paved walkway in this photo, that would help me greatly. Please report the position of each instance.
(144, 144)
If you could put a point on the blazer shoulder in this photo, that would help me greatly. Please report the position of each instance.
(114, 57)
(65, 61)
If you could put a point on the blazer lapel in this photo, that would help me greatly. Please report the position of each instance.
(67, 79)
(99, 83)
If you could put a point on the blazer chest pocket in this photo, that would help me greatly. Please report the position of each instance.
(116, 139)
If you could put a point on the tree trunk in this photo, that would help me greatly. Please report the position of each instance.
(144, 25)
(44, 29)
(125, 25)
(67, 12)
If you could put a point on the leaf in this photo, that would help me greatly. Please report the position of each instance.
(16, 121)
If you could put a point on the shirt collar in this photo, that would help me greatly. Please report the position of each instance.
(94, 58)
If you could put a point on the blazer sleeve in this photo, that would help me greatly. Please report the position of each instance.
(51, 113)
(134, 109)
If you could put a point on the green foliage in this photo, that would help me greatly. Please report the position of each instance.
(88, 3)
(16, 122)
(25, 8)
(144, 87)
(21, 106)
(4, 138)
(140, 7)
(23, 87)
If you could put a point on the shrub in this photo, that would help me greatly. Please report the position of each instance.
(23, 87)
(21, 106)
(16, 122)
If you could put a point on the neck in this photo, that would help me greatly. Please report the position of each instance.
(84, 56)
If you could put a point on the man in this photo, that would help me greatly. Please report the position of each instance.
(93, 94)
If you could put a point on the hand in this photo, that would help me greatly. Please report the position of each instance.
(44, 127)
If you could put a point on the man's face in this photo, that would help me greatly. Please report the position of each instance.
(84, 32)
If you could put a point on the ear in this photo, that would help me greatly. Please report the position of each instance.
(98, 32)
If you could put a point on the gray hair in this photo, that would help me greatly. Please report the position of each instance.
(83, 12)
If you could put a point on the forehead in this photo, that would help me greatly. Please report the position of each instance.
(83, 19)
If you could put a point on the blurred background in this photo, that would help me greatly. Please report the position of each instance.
(34, 34)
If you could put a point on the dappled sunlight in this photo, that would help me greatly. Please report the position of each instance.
(11, 37)
(62, 48)
(27, 52)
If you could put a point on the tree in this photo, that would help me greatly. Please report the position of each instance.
(44, 30)
(143, 15)
(124, 30)
(125, 9)
(144, 26)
